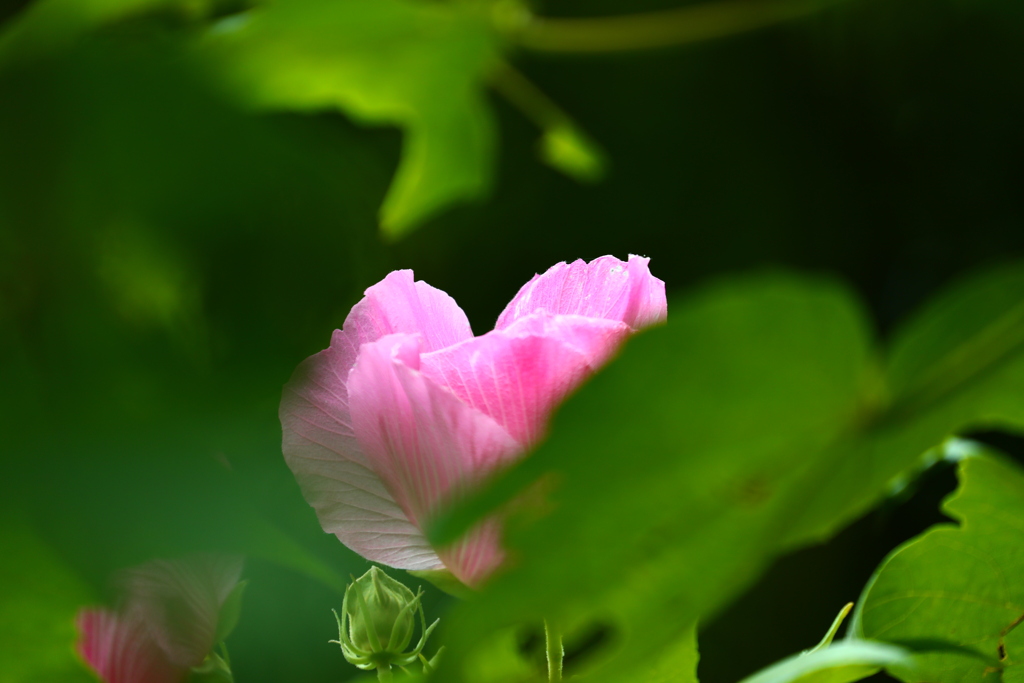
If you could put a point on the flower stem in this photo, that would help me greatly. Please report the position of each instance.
(384, 673)
(555, 651)
(528, 98)
(660, 29)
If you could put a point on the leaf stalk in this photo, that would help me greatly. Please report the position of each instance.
(665, 28)
(555, 652)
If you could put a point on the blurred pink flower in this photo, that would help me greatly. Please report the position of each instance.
(406, 407)
(119, 649)
(167, 623)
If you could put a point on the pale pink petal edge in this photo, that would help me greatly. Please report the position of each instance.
(334, 475)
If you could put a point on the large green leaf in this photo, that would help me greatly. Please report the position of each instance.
(417, 65)
(958, 364)
(676, 663)
(500, 660)
(689, 446)
(754, 422)
(39, 597)
(955, 590)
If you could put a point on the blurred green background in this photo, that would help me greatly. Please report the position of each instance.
(168, 257)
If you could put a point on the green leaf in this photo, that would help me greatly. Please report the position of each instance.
(1013, 642)
(961, 335)
(694, 444)
(417, 65)
(501, 661)
(956, 589)
(39, 597)
(842, 662)
(676, 663)
(47, 25)
(566, 148)
(756, 421)
(957, 365)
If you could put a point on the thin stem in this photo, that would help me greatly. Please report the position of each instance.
(528, 98)
(660, 29)
(555, 652)
(384, 673)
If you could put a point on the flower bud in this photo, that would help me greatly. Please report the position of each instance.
(377, 622)
(381, 612)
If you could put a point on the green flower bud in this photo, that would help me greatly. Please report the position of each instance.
(378, 618)
(381, 612)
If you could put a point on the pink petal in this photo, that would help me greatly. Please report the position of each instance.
(120, 650)
(180, 601)
(398, 304)
(520, 374)
(319, 444)
(604, 288)
(425, 443)
(476, 555)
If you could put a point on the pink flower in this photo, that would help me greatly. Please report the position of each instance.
(167, 625)
(119, 649)
(407, 408)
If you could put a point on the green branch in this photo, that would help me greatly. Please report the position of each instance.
(528, 98)
(660, 29)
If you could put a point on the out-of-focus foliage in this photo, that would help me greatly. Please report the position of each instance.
(763, 372)
(500, 660)
(954, 589)
(950, 348)
(419, 65)
(757, 419)
(155, 241)
(38, 600)
(49, 25)
(564, 147)
(168, 254)
(676, 663)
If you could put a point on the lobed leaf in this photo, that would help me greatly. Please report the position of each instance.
(416, 65)
(954, 592)
(689, 446)
(754, 422)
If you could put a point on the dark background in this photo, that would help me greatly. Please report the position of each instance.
(166, 260)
